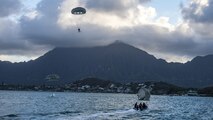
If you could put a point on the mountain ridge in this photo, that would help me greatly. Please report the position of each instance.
(118, 62)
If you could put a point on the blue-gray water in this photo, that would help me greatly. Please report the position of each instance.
(20, 105)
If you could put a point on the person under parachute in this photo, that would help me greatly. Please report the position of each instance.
(78, 11)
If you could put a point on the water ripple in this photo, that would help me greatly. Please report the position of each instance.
(98, 106)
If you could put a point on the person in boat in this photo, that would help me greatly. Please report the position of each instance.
(79, 30)
(136, 106)
(144, 106)
(141, 106)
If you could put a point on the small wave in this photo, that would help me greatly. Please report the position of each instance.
(11, 115)
(69, 112)
(57, 113)
(38, 114)
(156, 111)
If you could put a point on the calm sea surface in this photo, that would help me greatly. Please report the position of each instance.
(20, 105)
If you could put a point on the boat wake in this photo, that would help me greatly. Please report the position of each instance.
(118, 114)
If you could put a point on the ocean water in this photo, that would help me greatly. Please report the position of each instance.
(21, 105)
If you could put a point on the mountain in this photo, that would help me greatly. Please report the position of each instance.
(118, 62)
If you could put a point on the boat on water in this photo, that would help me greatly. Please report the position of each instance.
(192, 93)
(140, 107)
(143, 97)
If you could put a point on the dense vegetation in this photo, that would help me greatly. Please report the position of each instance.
(107, 86)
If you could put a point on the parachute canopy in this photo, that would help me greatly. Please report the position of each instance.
(78, 11)
(143, 94)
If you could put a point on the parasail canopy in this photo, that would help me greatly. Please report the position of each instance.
(143, 94)
(78, 11)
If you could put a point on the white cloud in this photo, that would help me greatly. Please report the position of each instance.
(131, 16)
(8, 7)
(32, 14)
(199, 11)
(52, 25)
(13, 58)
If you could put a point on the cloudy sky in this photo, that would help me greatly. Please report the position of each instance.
(174, 30)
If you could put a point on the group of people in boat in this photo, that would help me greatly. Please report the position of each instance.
(141, 106)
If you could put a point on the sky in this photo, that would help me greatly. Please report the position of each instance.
(174, 30)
